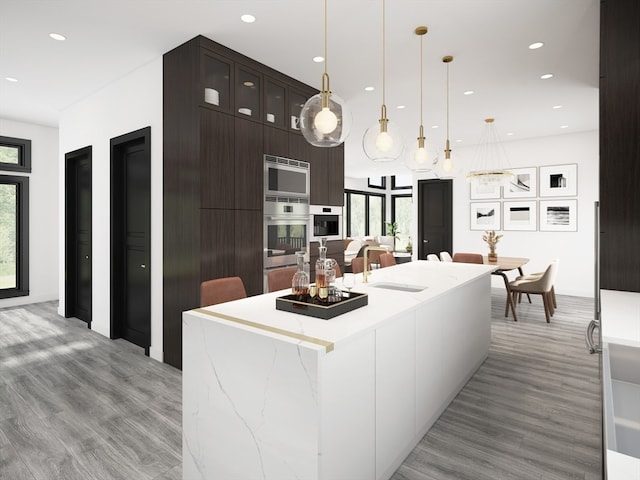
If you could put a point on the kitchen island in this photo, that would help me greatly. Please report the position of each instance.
(269, 394)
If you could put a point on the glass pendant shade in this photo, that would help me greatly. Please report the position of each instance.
(382, 142)
(325, 122)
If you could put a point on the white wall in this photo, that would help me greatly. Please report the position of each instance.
(43, 210)
(129, 104)
(574, 249)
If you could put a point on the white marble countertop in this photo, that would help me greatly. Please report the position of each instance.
(620, 312)
(383, 304)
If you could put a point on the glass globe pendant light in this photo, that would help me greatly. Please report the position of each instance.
(325, 120)
(418, 159)
(381, 141)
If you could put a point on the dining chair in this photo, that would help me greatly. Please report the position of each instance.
(467, 257)
(445, 257)
(387, 260)
(220, 290)
(280, 278)
(534, 276)
(336, 267)
(357, 265)
(541, 285)
(432, 257)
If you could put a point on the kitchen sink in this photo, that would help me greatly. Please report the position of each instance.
(402, 287)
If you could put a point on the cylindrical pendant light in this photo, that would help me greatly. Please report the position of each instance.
(382, 142)
(325, 120)
(447, 165)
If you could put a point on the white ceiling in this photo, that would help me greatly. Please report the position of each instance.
(488, 38)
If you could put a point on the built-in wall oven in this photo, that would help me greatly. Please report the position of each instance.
(286, 212)
(326, 222)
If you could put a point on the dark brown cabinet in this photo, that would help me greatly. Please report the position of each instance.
(619, 145)
(222, 112)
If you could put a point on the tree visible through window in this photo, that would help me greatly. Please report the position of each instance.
(14, 236)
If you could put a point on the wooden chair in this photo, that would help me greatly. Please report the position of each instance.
(541, 285)
(432, 257)
(280, 278)
(468, 258)
(387, 260)
(445, 257)
(221, 290)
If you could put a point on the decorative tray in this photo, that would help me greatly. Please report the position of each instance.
(289, 303)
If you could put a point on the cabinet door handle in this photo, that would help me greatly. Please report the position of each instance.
(588, 337)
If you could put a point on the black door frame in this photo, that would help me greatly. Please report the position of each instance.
(70, 206)
(447, 212)
(142, 138)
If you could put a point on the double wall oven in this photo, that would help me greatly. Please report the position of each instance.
(286, 212)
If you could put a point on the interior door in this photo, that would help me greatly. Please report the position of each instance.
(131, 238)
(78, 258)
(435, 223)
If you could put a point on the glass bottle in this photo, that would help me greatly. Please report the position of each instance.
(321, 264)
(300, 280)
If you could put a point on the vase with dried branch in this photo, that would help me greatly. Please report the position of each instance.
(492, 239)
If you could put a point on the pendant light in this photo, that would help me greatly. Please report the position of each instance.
(381, 141)
(491, 163)
(418, 158)
(325, 119)
(447, 165)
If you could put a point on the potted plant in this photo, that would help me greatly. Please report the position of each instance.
(392, 231)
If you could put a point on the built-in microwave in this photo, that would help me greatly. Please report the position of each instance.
(325, 221)
(285, 177)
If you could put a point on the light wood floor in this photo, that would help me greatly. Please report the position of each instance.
(76, 405)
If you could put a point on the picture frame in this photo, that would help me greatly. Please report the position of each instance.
(558, 215)
(559, 180)
(524, 183)
(480, 192)
(520, 215)
(485, 215)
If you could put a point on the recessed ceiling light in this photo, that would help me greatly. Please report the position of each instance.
(546, 76)
(247, 18)
(248, 84)
(458, 141)
(556, 107)
(536, 45)
(400, 107)
(318, 59)
(435, 126)
(369, 89)
(564, 126)
(57, 36)
(11, 79)
(509, 133)
(469, 92)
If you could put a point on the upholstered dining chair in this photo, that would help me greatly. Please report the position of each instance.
(541, 285)
(432, 257)
(534, 276)
(280, 278)
(336, 267)
(357, 265)
(445, 257)
(467, 257)
(220, 290)
(387, 260)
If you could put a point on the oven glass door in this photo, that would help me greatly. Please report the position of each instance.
(326, 225)
(283, 238)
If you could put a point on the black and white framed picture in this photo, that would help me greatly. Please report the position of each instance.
(480, 192)
(559, 180)
(485, 216)
(558, 215)
(523, 183)
(520, 215)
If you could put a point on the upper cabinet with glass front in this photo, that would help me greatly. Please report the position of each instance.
(275, 103)
(248, 93)
(296, 102)
(217, 75)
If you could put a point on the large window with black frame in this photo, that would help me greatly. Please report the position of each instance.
(363, 214)
(15, 155)
(401, 213)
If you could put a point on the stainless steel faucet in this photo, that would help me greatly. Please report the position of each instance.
(365, 272)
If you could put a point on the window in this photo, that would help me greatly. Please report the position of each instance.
(377, 182)
(401, 212)
(14, 236)
(401, 182)
(15, 154)
(363, 214)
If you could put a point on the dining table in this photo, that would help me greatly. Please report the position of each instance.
(504, 265)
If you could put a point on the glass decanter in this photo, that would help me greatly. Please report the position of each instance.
(300, 280)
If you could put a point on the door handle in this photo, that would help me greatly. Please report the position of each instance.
(86, 257)
(143, 266)
(588, 336)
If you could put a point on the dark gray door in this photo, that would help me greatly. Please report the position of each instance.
(435, 223)
(131, 238)
(78, 283)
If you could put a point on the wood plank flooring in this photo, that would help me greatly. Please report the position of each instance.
(76, 405)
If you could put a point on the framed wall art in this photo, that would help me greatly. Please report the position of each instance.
(523, 184)
(479, 192)
(558, 215)
(520, 215)
(485, 216)
(559, 180)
